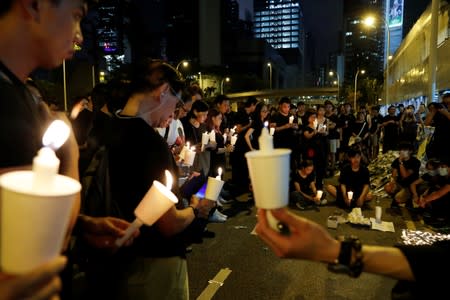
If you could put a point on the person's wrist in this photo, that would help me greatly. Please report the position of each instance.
(331, 252)
(194, 210)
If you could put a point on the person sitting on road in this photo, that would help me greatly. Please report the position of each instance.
(405, 170)
(304, 192)
(354, 181)
(428, 181)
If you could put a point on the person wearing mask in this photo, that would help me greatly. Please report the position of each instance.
(405, 170)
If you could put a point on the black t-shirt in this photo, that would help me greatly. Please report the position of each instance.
(257, 128)
(354, 181)
(411, 164)
(333, 134)
(391, 129)
(20, 122)
(358, 127)
(347, 123)
(285, 137)
(305, 183)
(138, 156)
(242, 118)
(376, 121)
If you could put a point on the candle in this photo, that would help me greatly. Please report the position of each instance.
(225, 137)
(291, 119)
(315, 124)
(272, 130)
(350, 195)
(233, 140)
(219, 171)
(319, 194)
(232, 130)
(158, 200)
(205, 138)
(46, 164)
(212, 136)
(189, 156)
(265, 141)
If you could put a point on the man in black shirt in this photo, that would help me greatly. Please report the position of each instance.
(374, 130)
(390, 126)
(405, 170)
(243, 119)
(284, 130)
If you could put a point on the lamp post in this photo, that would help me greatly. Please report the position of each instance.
(370, 22)
(356, 85)
(227, 79)
(270, 74)
(331, 73)
(184, 62)
(200, 80)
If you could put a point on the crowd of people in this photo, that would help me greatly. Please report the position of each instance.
(127, 132)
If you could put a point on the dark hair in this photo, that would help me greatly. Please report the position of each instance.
(434, 163)
(299, 103)
(375, 108)
(190, 91)
(250, 101)
(257, 113)
(284, 100)
(198, 106)
(220, 98)
(392, 106)
(309, 113)
(99, 96)
(213, 112)
(406, 146)
(353, 151)
(328, 102)
(150, 74)
(305, 163)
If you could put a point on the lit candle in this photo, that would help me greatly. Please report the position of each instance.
(225, 137)
(232, 130)
(212, 136)
(350, 195)
(233, 140)
(46, 164)
(158, 200)
(272, 130)
(219, 171)
(291, 119)
(265, 141)
(316, 124)
(319, 194)
(189, 156)
(205, 138)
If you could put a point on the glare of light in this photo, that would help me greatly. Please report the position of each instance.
(369, 21)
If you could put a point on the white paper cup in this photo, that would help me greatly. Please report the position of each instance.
(33, 226)
(233, 140)
(205, 138)
(269, 174)
(378, 213)
(272, 130)
(319, 194)
(155, 203)
(213, 188)
(350, 195)
(189, 157)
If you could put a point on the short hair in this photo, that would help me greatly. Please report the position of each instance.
(328, 102)
(446, 95)
(305, 163)
(284, 100)
(375, 108)
(434, 163)
(251, 100)
(300, 103)
(309, 113)
(353, 151)
(199, 106)
(220, 98)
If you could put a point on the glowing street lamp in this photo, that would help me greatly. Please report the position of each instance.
(370, 22)
(184, 62)
(227, 79)
(356, 85)
(331, 73)
(270, 74)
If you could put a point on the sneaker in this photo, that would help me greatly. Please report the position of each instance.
(217, 217)
(299, 206)
(222, 201)
(323, 202)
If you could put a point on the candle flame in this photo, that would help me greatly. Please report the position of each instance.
(219, 171)
(266, 124)
(56, 134)
(188, 145)
(169, 180)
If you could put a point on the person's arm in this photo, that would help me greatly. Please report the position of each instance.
(344, 193)
(444, 112)
(437, 194)
(284, 127)
(364, 194)
(176, 220)
(247, 138)
(298, 189)
(41, 283)
(429, 117)
(308, 134)
(413, 188)
(309, 240)
(404, 172)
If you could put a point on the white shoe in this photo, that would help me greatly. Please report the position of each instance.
(217, 217)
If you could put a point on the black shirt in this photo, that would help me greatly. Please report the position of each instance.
(354, 181)
(138, 156)
(333, 134)
(20, 122)
(285, 137)
(305, 183)
(411, 164)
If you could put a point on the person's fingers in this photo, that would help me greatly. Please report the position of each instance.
(42, 275)
(119, 223)
(100, 241)
(48, 291)
(279, 243)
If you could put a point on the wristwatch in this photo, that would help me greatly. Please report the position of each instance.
(344, 264)
(195, 210)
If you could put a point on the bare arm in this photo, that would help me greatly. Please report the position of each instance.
(247, 138)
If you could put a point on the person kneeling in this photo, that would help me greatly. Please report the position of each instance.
(353, 188)
(304, 192)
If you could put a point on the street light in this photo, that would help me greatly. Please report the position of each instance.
(227, 79)
(370, 22)
(270, 74)
(356, 84)
(184, 62)
(331, 73)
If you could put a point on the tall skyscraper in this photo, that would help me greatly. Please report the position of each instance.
(280, 23)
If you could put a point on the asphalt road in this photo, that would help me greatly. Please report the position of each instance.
(258, 274)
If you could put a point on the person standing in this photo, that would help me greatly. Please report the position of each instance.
(390, 130)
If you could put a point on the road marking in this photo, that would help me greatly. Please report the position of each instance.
(214, 284)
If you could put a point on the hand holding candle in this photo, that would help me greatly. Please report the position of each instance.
(291, 119)
(233, 140)
(214, 186)
(212, 136)
(158, 200)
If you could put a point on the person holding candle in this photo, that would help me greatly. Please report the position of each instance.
(419, 267)
(284, 130)
(303, 186)
(41, 34)
(243, 118)
(138, 156)
(354, 178)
